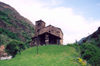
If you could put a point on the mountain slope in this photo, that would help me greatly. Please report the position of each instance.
(13, 25)
(94, 38)
(52, 55)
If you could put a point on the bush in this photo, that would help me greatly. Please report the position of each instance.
(91, 53)
(14, 47)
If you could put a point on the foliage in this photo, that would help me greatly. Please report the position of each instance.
(9, 34)
(5, 18)
(95, 41)
(27, 43)
(91, 53)
(14, 47)
(50, 55)
(4, 40)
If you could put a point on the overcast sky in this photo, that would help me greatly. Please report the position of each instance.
(76, 18)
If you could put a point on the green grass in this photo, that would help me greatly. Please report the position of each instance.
(51, 55)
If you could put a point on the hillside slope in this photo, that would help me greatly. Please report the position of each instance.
(48, 56)
(13, 25)
(93, 38)
(90, 48)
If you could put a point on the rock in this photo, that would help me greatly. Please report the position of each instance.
(6, 58)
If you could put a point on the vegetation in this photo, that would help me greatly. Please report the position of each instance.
(90, 48)
(91, 53)
(5, 18)
(13, 26)
(9, 34)
(50, 55)
(14, 47)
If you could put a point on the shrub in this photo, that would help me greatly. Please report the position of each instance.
(14, 47)
(91, 53)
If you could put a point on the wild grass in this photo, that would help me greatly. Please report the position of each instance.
(51, 55)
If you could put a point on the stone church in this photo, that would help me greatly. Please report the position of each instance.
(46, 34)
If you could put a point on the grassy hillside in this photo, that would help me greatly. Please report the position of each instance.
(52, 55)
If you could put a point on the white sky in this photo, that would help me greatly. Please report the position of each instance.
(74, 26)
